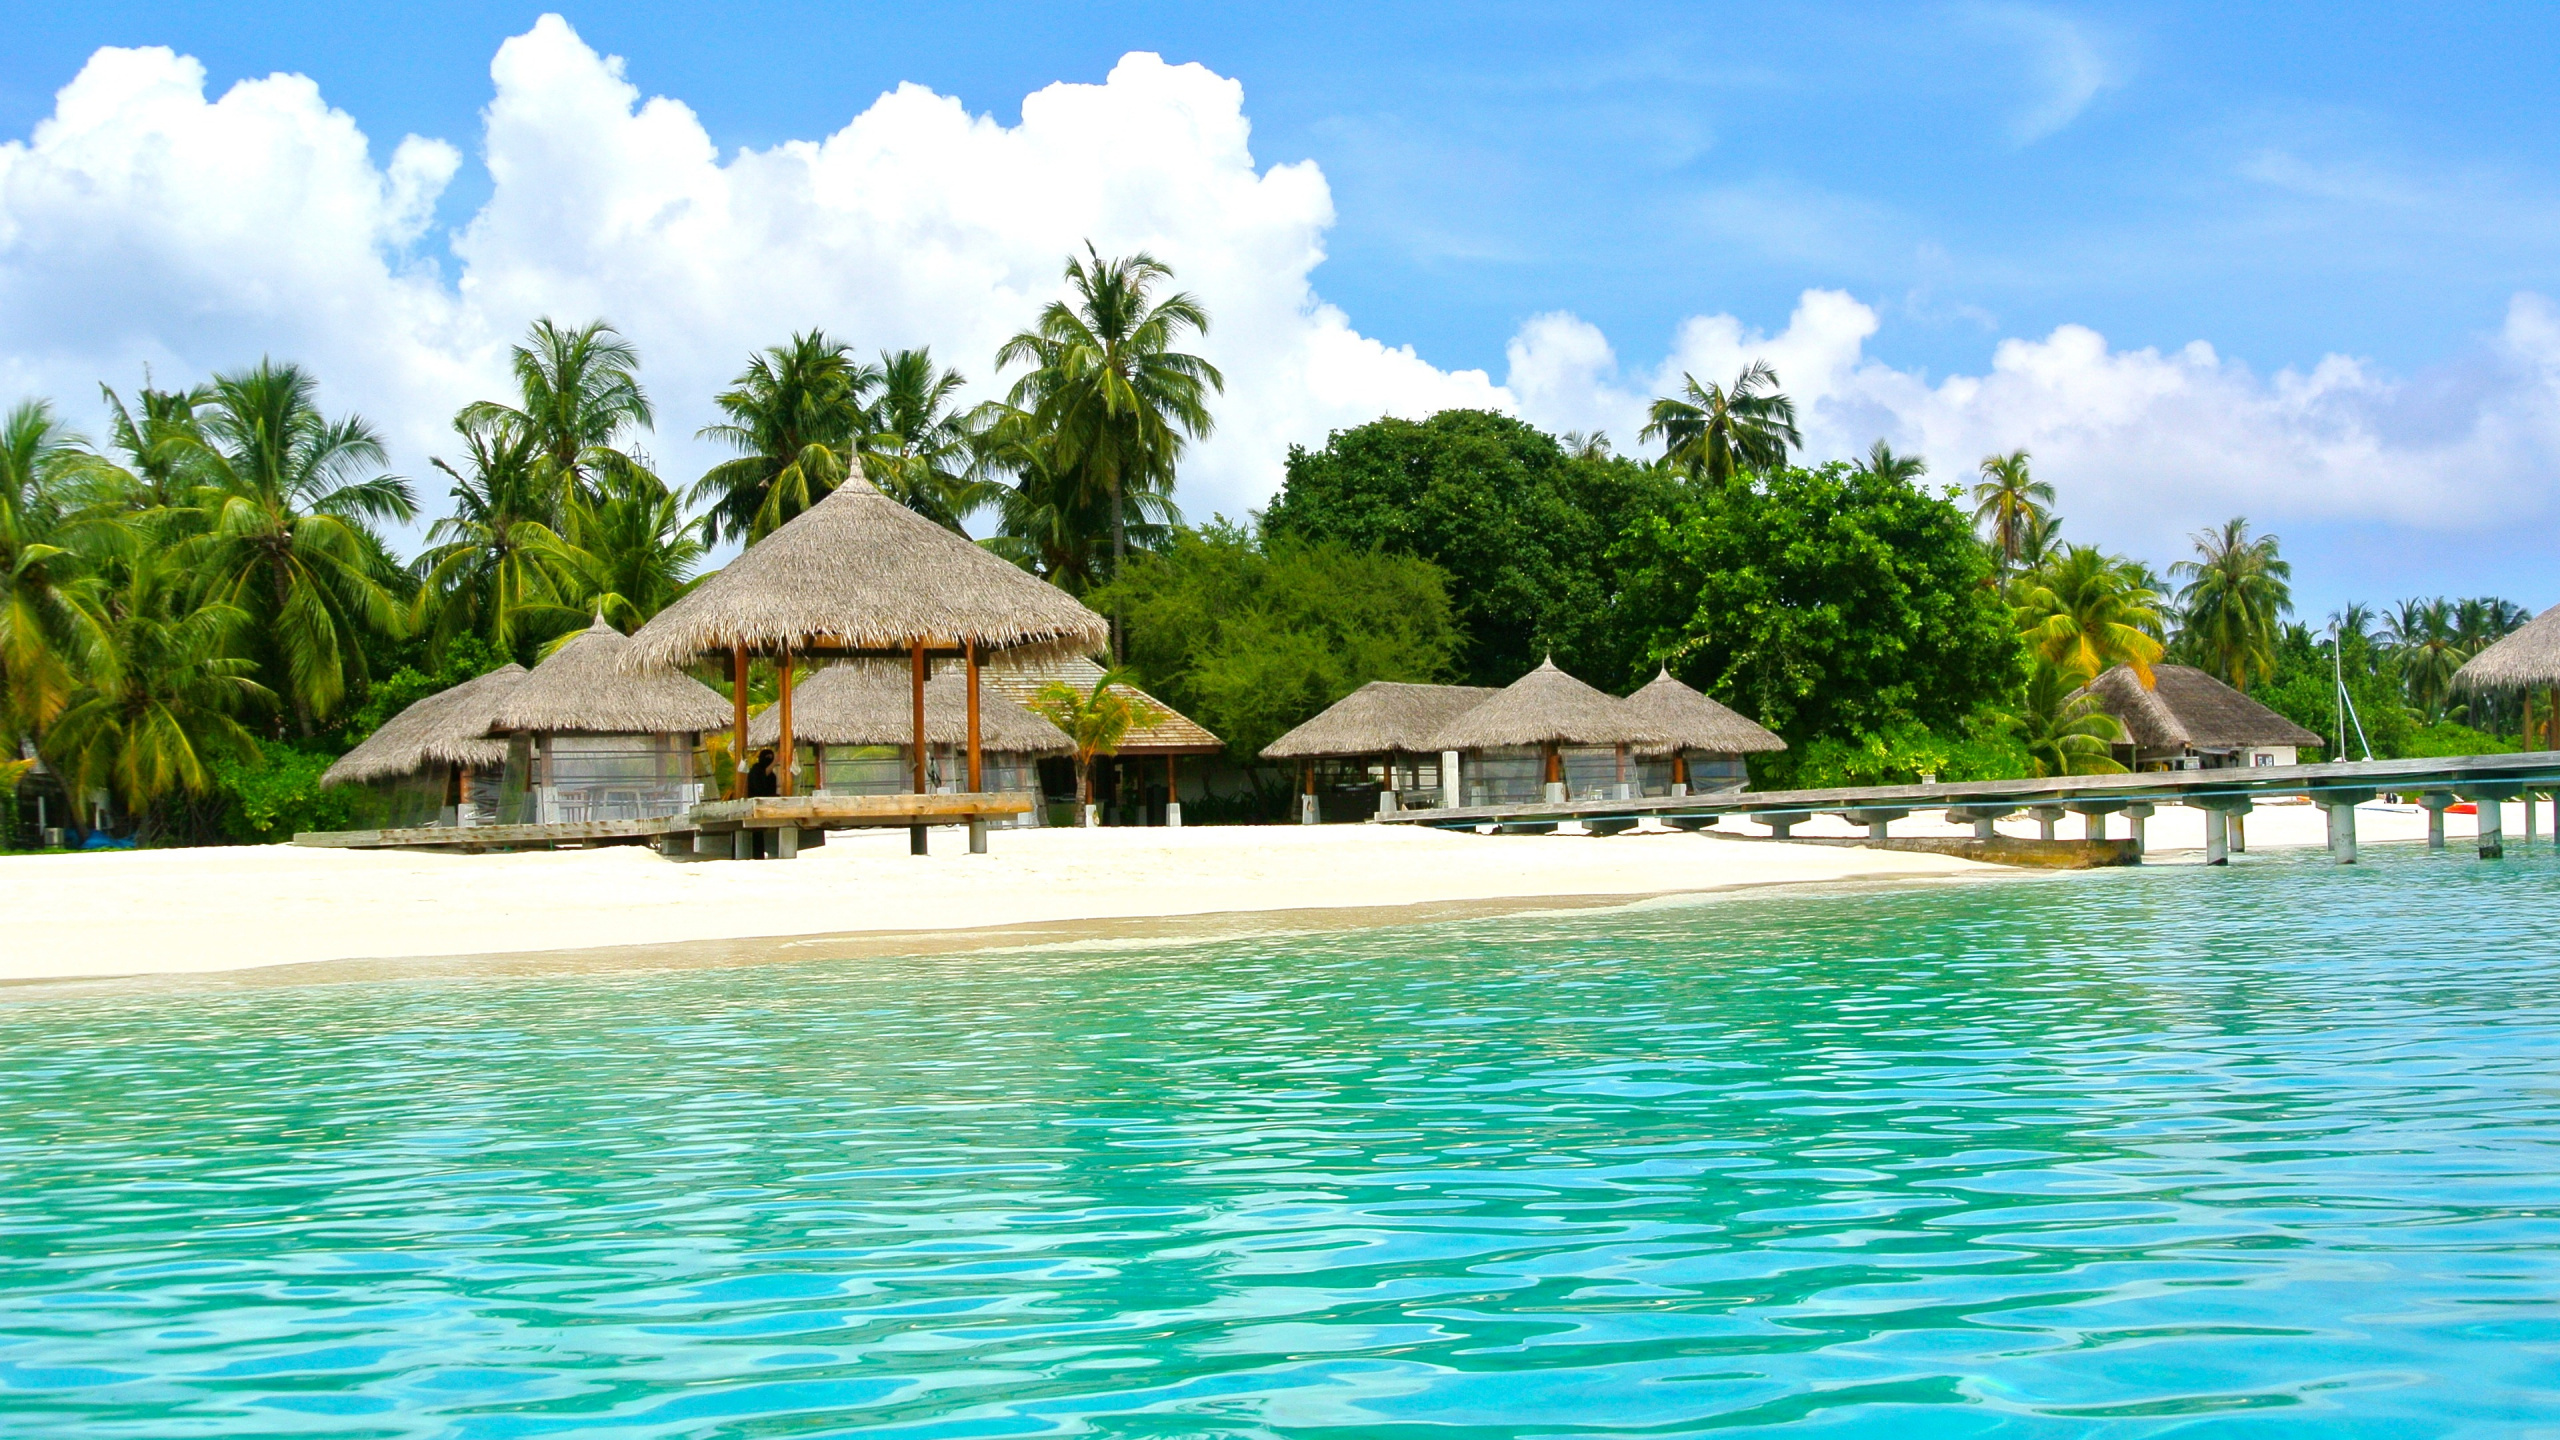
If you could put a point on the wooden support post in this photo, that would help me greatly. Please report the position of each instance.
(1555, 787)
(1387, 783)
(915, 833)
(738, 735)
(1679, 772)
(1172, 795)
(1307, 792)
(1621, 792)
(977, 757)
(786, 757)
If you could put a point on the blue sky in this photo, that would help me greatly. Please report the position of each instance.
(2282, 183)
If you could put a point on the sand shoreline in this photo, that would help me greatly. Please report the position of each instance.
(320, 915)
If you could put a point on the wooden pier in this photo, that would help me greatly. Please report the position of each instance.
(770, 827)
(2225, 794)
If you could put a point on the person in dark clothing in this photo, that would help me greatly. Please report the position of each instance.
(760, 777)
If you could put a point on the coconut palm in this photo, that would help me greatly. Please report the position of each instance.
(1050, 521)
(2087, 612)
(920, 450)
(1716, 431)
(283, 520)
(167, 698)
(2065, 729)
(1106, 382)
(2430, 651)
(2353, 625)
(578, 395)
(1096, 720)
(1586, 445)
(486, 569)
(626, 552)
(50, 622)
(151, 474)
(2010, 504)
(797, 415)
(2235, 594)
(1882, 464)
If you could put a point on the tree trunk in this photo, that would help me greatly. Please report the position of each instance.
(301, 705)
(1119, 557)
(1084, 790)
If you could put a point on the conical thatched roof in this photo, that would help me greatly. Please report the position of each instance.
(1381, 716)
(859, 570)
(2189, 709)
(872, 703)
(586, 689)
(2527, 659)
(450, 727)
(1547, 707)
(1691, 721)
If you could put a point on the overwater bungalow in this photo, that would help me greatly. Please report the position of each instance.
(855, 722)
(2188, 720)
(1149, 755)
(2525, 662)
(1707, 741)
(436, 762)
(1547, 736)
(1387, 726)
(589, 739)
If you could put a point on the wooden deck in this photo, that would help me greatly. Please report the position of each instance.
(804, 814)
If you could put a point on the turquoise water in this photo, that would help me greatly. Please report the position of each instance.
(2266, 1151)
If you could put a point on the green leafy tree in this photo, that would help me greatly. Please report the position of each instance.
(1883, 464)
(1713, 432)
(626, 551)
(284, 532)
(50, 621)
(1106, 381)
(2014, 509)
(1096, 721)
(2235, 597)
(165, 701)
(1253, 634)
(487, 566)
(2429, 648)
(1050, 520)
(152, 476)
(921, 451)
(2065, 729)
(796, 417)
(1524, 532)
(1826, 602)
(578, 394)
(2087, 612)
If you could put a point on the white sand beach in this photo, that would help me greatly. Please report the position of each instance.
(173, 912)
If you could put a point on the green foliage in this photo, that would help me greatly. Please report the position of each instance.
(1523, 531)
(1981, 748)
(1253, 634)
(2447, 738)
(2303, 690)
(275, 793)
(466, 658)
(1826, 603)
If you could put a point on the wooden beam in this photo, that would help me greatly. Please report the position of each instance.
(738, 735)
(784, 754)
(977, 766)
(916, 693)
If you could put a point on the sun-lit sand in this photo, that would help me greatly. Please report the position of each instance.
(189, 911)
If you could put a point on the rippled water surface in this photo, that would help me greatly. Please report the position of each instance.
(2273, 1150)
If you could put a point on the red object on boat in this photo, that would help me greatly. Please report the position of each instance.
(2465, 808)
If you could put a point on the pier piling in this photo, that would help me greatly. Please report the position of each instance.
(2435, 803)
(2047, 816)
(2217, 838)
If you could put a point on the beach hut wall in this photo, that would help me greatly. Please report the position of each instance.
(450, 727)
(860, 702)
(859, 572)
(1383, 717)
(585, 688)
(2187, 709)
(1547, 707)
(2526, 659)
(1690, 720)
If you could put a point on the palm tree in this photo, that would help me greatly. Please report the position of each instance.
(2011, 503)
(625, 553)
(1096, 720)
(486, 569)
(167, 697)
(579, 391)
(2067, 731)
(1585, 445)
(797, 415)
(155, 477)
(2353, 625)
(1882, 464)
(2088, 612)
(1049, 520)
(2423, 636)
(50, 622)
(921, 452)
(2236, 590)
(1106, 381)
(1714, 431)
(285, 531)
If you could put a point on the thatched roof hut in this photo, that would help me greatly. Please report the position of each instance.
(858, 572)
(1383, 717)
(871, 703)
(1165, 731)
(450, 727)
(2527, 659)
(1547, 707)
(587, 688)
(2190, 712)
(1690, 720)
